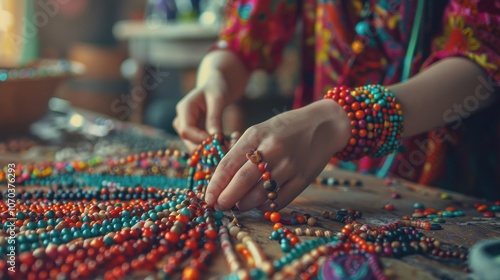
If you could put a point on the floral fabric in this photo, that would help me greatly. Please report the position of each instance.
(258, 31)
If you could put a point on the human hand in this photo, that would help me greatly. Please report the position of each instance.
(199, 113)
(296, 145)
(222, 79)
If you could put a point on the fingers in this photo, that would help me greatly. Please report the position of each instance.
(258, 195)
(242, 182)
(187, 130)
(215, 107)
(227, 169)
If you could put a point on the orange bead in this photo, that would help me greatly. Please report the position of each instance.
(190, 273)
(389, 207)
(275, 217)
(276, 225)
(451, 208)
(482, 208)
(199, 175)
(360, 114)
(266, 176)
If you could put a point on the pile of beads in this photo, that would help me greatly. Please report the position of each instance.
(330, 181)
(343, 215)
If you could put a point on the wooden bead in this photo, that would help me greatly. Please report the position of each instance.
(311, 221)
(272, 195)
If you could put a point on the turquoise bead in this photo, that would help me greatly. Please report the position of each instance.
(50, 214)
(31, 225)
(219, 215)
(153, 216)
(20, 215)
(448, 214)
(186, 211)
(42, 224)
(86, 233)
(418, 205)
(436, 227)
(108, 240)
(458, 213)
(24, 247)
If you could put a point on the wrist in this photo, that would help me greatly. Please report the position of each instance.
(223, 67)
(336, 121)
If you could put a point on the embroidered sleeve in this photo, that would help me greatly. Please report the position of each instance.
(472, 30)
(258, 30)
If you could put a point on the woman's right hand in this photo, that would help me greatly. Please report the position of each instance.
(222, 78)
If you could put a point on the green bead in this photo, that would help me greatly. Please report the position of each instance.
(439, 220)
(445, 196)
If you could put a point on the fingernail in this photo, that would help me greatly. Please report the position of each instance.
(218, 207)
(209, 198)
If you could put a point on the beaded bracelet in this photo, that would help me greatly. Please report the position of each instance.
(376, 120)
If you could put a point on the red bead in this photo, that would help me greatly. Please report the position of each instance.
(191, 244)
(266, 176)
(488, 214)
(389, 207)
(262, 166)
(172, 237)
(212, 234)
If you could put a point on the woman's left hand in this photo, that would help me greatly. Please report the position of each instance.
(296, 145)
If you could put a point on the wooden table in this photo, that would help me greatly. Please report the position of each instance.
(370, 199)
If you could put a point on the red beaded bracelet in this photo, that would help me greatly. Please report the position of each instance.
(376, 120)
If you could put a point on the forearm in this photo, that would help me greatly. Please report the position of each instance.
(230, 66)
(444, 93)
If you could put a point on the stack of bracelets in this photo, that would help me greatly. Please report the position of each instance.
(376, 120)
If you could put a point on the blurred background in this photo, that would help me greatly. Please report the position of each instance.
(126, 60)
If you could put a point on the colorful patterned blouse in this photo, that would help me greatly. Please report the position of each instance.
(461, 157)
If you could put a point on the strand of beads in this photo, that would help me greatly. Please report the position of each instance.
(331, 181)
(269, 185)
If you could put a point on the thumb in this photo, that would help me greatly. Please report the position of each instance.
(215, 107)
